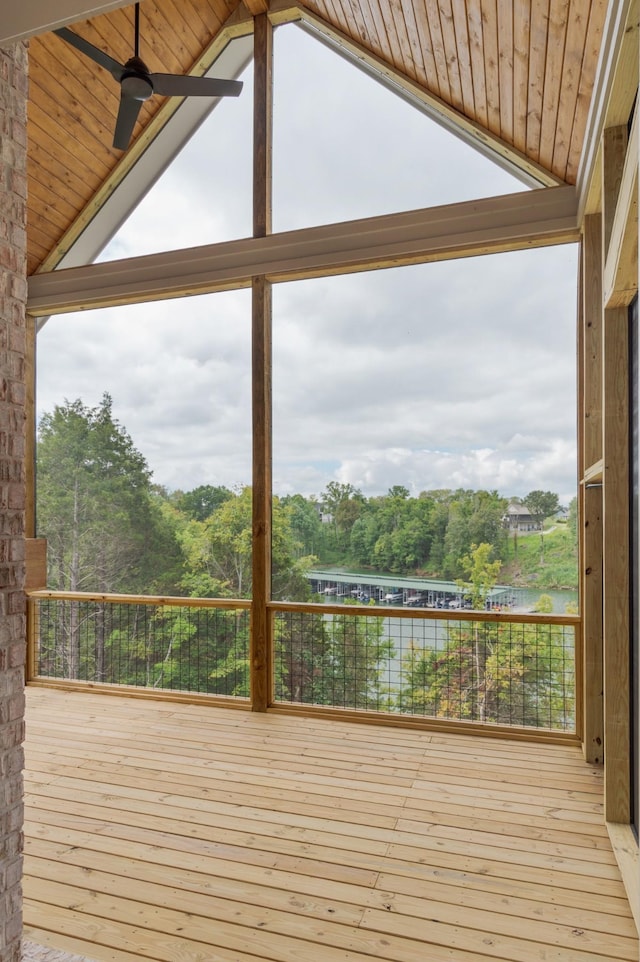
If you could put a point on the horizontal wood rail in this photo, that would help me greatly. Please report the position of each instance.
(449, 725)
(428, 614)
(176, 601)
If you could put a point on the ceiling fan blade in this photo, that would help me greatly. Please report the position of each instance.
(174, 85)
(88, 49)
(126, 121)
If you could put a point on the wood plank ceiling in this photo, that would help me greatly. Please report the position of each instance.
(521, 69)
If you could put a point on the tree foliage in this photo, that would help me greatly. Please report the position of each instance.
(482, 574)
(200, 503)
(219, 552)
(541, 505)
(427, 535)
(104, 526)
(502, 674)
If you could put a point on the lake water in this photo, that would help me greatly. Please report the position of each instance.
(561, 598)
(432, 633)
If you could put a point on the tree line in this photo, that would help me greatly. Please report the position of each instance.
(111, 530)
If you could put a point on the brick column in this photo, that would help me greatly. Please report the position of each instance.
(13, 101)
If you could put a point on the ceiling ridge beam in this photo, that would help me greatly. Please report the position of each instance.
(510, 222)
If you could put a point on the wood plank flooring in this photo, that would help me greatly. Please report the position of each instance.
(179, 833)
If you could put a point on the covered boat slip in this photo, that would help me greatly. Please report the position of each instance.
(170, 831)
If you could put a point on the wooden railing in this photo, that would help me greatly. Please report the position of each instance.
(152, 644)
(491, 670)
(486, 670)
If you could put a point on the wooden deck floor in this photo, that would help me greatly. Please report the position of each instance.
(171, 832)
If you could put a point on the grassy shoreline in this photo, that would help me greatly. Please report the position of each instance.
(550, 562)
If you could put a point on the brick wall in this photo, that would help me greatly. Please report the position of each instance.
(13, 90)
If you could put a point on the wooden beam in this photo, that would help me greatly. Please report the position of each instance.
(262, 126)
(590, 469)
(625, 849)
(257, 7)
(30, 433)
(616, 564)
(489, 225)
(591, 400)
(593, 721)
(35, 564)
(621, 263)
(261, 618)
(614, 148)
(614, 90)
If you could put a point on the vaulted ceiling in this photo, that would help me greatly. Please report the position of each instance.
(517, 73)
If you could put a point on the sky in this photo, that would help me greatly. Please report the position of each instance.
(456, 374)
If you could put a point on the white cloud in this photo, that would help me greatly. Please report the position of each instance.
(458, 374)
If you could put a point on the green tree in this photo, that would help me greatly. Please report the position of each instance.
(544, 604)
(359, 651)
(219, 553)
(302, 665)
(482, 574)
(413, 538)
(103, 522)
(305, 523)
(504, 673)
(474, 517)
(344, 503)
(541, 505)
(572, 519)
(393, 532)
(494, 673)
(201, 502)
(364, 535)
(439, 523)
(228, 541)
(336, 492)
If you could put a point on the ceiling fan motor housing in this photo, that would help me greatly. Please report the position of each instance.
(135, 81)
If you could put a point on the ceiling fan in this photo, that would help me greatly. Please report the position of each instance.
(137, 84)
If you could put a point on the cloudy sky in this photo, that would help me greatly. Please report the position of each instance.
(459, 374)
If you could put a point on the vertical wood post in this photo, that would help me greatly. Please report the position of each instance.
(592, 341)
(615, 508)
(30, 421)
(261, 646)
(262, 124)
(614, 148)
(590, 448)
(616, 563)
(592, 671)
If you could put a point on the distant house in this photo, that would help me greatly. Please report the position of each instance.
(325, 516)
(518, 518)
